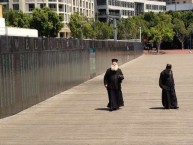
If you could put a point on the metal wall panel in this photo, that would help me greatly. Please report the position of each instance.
(34, 69)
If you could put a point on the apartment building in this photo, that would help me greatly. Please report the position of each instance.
(110, 9)
(62, 7)
(176, 1)
(178, 5)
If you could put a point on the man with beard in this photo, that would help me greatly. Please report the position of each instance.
(112, 81)
(166, 82)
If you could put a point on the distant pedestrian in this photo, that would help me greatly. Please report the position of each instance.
(112, 81)
(166, 82)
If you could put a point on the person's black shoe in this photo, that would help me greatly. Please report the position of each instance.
(176, 107)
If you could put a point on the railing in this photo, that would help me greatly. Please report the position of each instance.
(34, 69)
(15, 1)
(110, 14)
(29, 1)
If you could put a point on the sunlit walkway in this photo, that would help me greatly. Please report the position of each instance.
(79, 116)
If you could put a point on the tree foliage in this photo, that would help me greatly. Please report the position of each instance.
(75, 24)
(127, 29)
(83, 28)
(17, 19)
(104, 30)
(181, 31)
(156, 27)
(47, 22)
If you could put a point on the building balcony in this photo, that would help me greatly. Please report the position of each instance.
(41, 1)
(61, 1)
(61, 9)
(30, 9)
(52, 0)
(113, 15)
(53, 9)
(30, 1)
(15, 1)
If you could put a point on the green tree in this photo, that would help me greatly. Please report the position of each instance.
(17, 19)
(95, 29)
(87, 30)
(127, 29)
(162, 30)
(47, 22)
(187, 17)
(181, 31)
(182, 21)
(190, 31)
(106, 31)
(76, 22)
(103, 30)
(122, 28)
(140, 22)
(81, 27)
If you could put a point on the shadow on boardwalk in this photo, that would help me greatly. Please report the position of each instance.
(156, 108)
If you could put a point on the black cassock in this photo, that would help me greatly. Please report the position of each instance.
(166, 82)
(113, 80)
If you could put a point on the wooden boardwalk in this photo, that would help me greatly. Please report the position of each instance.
(79, 116)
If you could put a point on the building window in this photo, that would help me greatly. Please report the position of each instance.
(65, 8)
(109, 2)
(16, 7)
(6, 6)
(31, 7)
(147, 6)
(42, 5)
(101, 2)
(116, 3)
(113, 2)
(61, 8)
(52, 7)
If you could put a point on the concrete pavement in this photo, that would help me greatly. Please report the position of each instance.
(79, 116)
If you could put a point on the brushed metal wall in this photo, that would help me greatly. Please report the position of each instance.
(34, 69)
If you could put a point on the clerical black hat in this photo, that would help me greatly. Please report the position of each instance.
(114, 60)
(168, 66)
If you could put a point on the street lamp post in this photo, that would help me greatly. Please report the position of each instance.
(191, 41)
(115, 29)
(140, 34)
(81, 30)
(82, 25)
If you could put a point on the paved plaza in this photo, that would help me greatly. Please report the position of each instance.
(79, 115)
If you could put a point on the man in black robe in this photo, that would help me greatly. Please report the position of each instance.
(166, 82)
(112, 81)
